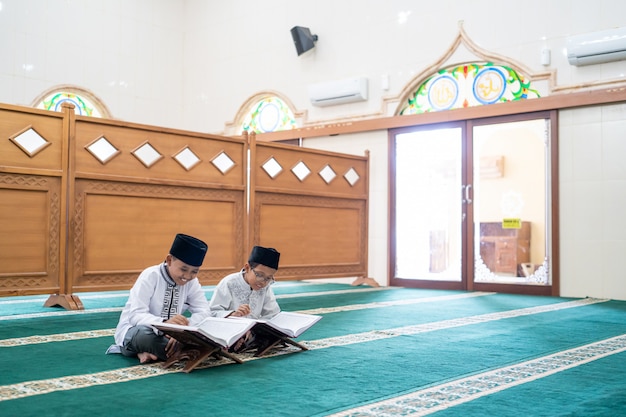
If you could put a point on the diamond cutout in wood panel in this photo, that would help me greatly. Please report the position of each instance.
(102, 150)
(301, 171)
(187, 159)
(30, 142)
(328, 174)
(352, 176)
(223, 162)
(147, 155)
(272, 167)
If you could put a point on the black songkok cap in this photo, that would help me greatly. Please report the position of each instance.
(189, 249)
(265, 256)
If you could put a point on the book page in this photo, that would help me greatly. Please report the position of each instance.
(225, 331)
(292, 324)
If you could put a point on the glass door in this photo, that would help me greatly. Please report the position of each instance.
(511, 202)
(471, 205)
(427, 219)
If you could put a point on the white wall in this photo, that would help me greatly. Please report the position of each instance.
(254, 50)
(592, 198)
(128, 53)
(191, 64)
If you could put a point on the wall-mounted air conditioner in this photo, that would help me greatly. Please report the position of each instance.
(597, 47)
(338, 92)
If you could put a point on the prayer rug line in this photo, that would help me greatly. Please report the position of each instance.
(440, 397)
(61, 337)
(38, 387)
(118, 309)
(124, 294)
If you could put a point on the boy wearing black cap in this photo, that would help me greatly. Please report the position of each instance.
(248, 293)
(161, 294)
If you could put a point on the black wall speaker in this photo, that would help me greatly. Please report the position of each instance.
(303, 39)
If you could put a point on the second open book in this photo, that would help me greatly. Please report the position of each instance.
(290, 324)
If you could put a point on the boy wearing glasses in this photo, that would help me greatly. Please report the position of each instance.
(248, 293)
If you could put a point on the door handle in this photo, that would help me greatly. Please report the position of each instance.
(467, 193)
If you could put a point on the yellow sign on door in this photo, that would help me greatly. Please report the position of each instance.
(511, 223)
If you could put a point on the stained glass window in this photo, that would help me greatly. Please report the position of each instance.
(269, 114)
(82, 105)
(469, 85)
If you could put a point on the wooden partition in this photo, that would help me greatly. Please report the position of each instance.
(312, 206)
(86, 203)
(33, 154)
(134, 187)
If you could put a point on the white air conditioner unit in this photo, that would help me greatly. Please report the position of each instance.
(338, 92)
(597, 47)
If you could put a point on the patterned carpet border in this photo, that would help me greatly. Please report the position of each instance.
(444, 396)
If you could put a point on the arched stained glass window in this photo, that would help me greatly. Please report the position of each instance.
(469, 85)
(83, 106)
(269, 114)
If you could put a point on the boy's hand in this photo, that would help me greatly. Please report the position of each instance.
(178, 319)
(242, 311)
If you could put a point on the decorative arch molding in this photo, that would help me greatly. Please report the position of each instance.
(452, 57)
(233, 128)
(462, 50)
(100, 106)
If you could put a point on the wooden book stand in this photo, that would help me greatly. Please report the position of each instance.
(194, 348)
(268, 337)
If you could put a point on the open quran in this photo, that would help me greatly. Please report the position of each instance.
(211, 337)
(282, 328)
(290, 324)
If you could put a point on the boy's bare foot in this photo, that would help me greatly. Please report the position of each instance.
(146, 357)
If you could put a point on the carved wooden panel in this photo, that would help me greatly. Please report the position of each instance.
(118, 229)
(32, 159)
(285, 168)
(138, 153)
(31, 141)
(30, 213)
(317, 236)
(311, 205)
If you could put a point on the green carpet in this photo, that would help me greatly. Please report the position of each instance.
(376, 352)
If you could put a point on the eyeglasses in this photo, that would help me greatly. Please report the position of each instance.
(262, 278)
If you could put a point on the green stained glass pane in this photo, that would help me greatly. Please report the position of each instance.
(82, 105)
(270, 114)
(469, 85)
